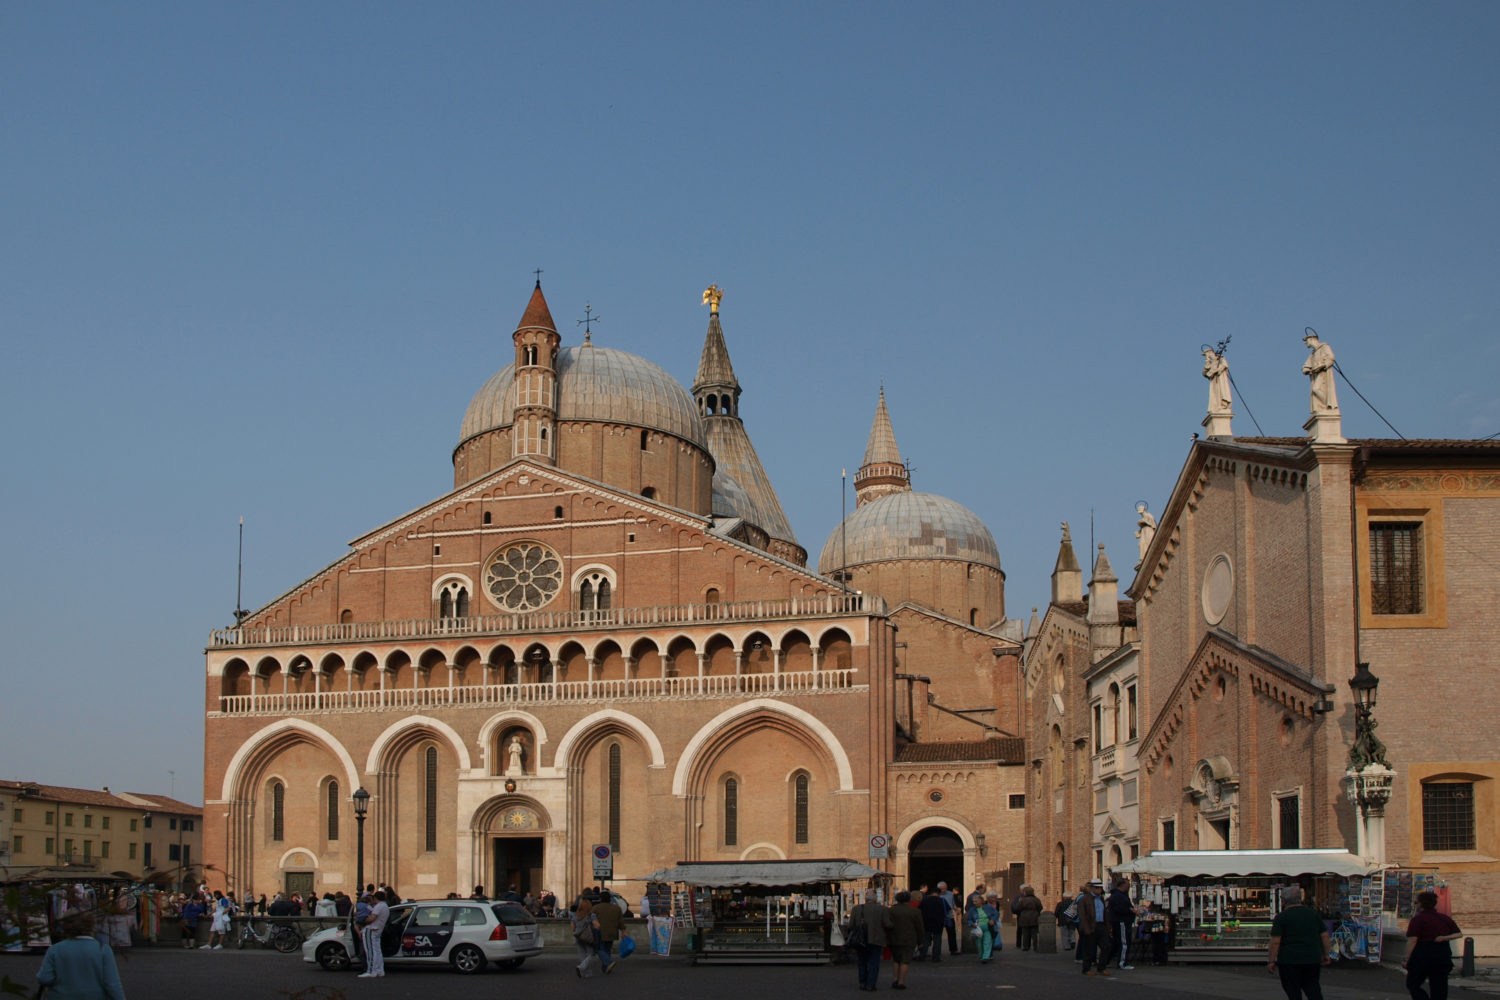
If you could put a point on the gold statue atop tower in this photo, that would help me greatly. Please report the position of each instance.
(711, 297)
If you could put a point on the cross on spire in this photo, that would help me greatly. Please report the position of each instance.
(587, 322)
(538, 273)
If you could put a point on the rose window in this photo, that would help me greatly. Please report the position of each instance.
(523, 576)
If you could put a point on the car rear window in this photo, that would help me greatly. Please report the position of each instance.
(512, 914)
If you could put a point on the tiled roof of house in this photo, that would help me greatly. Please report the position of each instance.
(1000, 749)
(103, 798)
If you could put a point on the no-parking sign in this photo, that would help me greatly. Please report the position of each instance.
(604, 861)
(880, 845)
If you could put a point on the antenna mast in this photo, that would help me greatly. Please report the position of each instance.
(239, 577)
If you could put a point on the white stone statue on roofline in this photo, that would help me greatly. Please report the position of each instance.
(1325, 426)
(1220, 402)
(1145, 528)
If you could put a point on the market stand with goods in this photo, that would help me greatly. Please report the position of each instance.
(1222, 903)
(743, 912)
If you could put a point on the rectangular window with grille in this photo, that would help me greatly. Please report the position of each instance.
(1289, 822)
(1169, 835)
(1017, 802)
(1448, 816)
(1396, 584)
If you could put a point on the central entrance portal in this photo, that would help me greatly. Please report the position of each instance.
(518, 862)
(936, 855)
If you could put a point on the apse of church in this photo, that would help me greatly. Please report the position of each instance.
(607, 633)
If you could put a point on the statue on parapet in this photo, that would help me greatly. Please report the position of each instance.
(1145, 529)
(1319, 369)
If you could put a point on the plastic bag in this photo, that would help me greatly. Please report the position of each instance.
(627, 946)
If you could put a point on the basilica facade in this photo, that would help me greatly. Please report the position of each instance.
(607, 632)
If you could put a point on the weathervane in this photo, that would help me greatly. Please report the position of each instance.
(587, 323)
(712, 295)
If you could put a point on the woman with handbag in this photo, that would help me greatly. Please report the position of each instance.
(586, 935)
(79, 967)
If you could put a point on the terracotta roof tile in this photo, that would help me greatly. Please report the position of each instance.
(1000, 749)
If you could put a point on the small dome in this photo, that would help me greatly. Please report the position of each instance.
(731, 499)
(600, 384)
(909, 526)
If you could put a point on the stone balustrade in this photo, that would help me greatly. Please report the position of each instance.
(611, 690)
(824, 605)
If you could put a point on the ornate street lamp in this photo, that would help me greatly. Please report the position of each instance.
(361, 809)
(1367, 748)
(1368, 779)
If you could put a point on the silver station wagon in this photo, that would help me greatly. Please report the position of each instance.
(467, 934)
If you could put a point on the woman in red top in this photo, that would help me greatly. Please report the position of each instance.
(1427, 953)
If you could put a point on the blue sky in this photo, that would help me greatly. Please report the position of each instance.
(256, 258)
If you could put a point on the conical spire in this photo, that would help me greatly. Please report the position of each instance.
(1104, 592)
(882, 472)
(714, 368)
(882, 445)
(537, 314)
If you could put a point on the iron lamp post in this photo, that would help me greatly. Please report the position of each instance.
(361, 809)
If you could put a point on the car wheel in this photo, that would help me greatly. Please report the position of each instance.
(511, 964)
(333, 957)
(467, 959)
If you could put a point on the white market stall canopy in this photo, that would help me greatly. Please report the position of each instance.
(1215, 864)
(724, 874)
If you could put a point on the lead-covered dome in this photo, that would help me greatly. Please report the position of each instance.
(599, 384)
(909, 525)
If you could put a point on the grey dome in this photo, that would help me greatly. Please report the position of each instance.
(909, 525)
(596, 383)
(731, 499)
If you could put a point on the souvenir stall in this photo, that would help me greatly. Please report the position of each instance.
(32, 900)
(1220, 904)
(742, 912)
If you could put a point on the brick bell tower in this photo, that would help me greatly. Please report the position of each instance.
(534, 420)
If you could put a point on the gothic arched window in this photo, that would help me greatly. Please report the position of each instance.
(278, 811)
(430, 799)
(731, 812)
(614, 796)
(333, 810)
(801, 800)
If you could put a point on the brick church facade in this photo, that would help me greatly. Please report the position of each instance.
(607, 633)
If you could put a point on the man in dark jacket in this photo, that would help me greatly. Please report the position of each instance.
(905, 931)
(611, 922)
(1092, 926)
(934, 918)
(871, 920)
(1121, 913)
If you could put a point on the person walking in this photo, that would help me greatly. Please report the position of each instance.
(907, 929)
(374, 925)
(218, 929)
(1092, 926)
(1428, 955)
(585, 935)
(869, 923)
(188, 921)
(1015, 910)
(78, 965)
(935, 914)
(610, 920)
(1067, 922)
(950, 910)
(1028, 917)
(1300, 946)
(1121, 913)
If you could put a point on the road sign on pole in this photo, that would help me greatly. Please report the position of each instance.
(880, 845)
(604, 861)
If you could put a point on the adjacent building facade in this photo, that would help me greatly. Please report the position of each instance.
(1279, 565)
(606, 633)
(141, 836)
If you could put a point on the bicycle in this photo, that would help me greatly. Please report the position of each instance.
(283, 937)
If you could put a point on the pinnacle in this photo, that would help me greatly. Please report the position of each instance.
(882, 448)
(714, 367)
(537, 313)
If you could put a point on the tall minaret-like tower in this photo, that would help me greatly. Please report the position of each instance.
(534, 423)
(882, 472)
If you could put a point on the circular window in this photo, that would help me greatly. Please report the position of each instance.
(1218, 588)
(934, 796)
(523, 576)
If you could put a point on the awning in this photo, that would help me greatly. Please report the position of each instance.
(1322, 861)
(722, 874)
